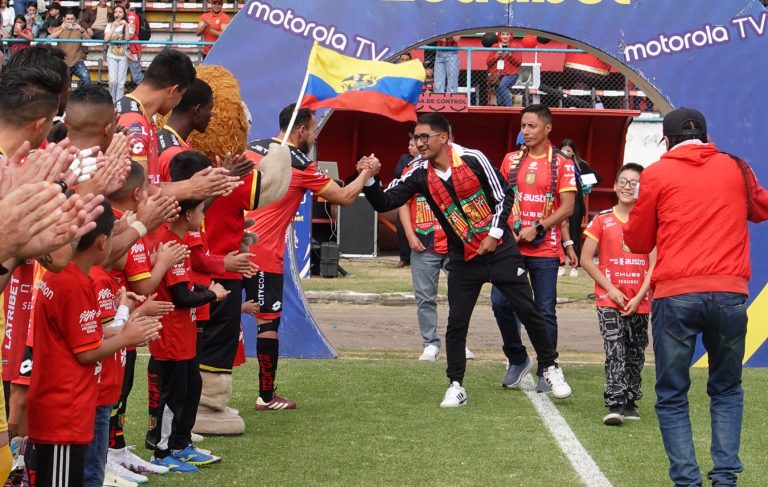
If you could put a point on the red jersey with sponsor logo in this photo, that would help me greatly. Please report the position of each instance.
(225, 217)
(169, 143)
(624, 269)
(534, 181)
(18, 306)
(272, 221)
(62, 396)
(178, 336)
(142, 134)
(137, 264)
(193, 240)
(113, 367)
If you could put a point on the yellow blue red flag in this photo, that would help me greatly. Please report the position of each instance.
(338, 81)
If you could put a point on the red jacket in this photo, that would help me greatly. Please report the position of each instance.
(692, 207)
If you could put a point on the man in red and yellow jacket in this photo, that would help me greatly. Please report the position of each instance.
(693, 206)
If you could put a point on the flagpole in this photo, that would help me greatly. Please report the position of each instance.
(298, 101)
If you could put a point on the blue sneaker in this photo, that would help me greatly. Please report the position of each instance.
(174, 464)
(193, 456)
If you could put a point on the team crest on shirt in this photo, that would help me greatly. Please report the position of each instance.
(530, 178)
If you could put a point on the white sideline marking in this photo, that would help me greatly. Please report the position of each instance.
(580, 459)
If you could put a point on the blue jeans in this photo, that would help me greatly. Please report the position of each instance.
(543, 272)
(96, 455)
(721, 319)
(503, 96)
(135, 68)
(81, 71)
(446, 72)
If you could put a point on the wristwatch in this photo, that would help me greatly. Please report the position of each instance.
(567, 244)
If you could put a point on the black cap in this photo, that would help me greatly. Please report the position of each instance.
(684, 121)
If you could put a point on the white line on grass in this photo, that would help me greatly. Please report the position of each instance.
(582, 462)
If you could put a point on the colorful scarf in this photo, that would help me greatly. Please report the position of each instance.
(468, 213)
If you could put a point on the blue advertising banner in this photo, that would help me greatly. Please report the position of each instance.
(302, 236)
(706, 54)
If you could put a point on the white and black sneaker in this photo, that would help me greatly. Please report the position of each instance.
(553, 375)
(455, 396)
(614, 416)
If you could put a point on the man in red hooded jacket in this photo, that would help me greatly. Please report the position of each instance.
(693, 206)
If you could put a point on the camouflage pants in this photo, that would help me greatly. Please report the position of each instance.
(624, 341)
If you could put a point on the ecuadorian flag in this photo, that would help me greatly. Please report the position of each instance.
(338, 81)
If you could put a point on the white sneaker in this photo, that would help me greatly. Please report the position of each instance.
(454, 397)
(574, 272)
(111, 479)
(197, 438)
(561, 271)
(469, 354)
(118, 470)
(430, 354)
(553, 375)
(135, 463)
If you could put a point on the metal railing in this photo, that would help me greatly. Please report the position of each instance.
(100, 67)
(552, 82)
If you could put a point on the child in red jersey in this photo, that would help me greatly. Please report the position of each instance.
(115, 304)
(173, 365)
(68, 346)
(622, 280)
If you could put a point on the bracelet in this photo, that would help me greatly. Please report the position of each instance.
(140, 227)
(567, 244)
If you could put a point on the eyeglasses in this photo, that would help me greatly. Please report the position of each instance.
(424, 138)
(622, 182)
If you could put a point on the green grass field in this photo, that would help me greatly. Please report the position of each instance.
(376, 421)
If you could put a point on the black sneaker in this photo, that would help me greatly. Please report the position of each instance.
(614, 416)
(630, 412)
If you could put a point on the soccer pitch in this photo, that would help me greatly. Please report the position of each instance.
(377, 422)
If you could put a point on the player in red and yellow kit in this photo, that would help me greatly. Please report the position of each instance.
(544, 185)
(266, 288)
(622, 280)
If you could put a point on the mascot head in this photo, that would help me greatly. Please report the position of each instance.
(228, 130)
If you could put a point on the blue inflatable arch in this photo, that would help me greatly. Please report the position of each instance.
(707, 54)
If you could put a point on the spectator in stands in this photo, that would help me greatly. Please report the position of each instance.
(503, 67)
(94, 19)
(52, 21)
(404, 57)
(447, 66)
(212, 24)
(74, 51)
(6, 20)
(134, 50)
(429, 80)
(21, 31)
(34, 19)
(118, 30)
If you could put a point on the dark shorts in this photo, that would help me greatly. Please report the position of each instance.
(266, 289)
(221, 334)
